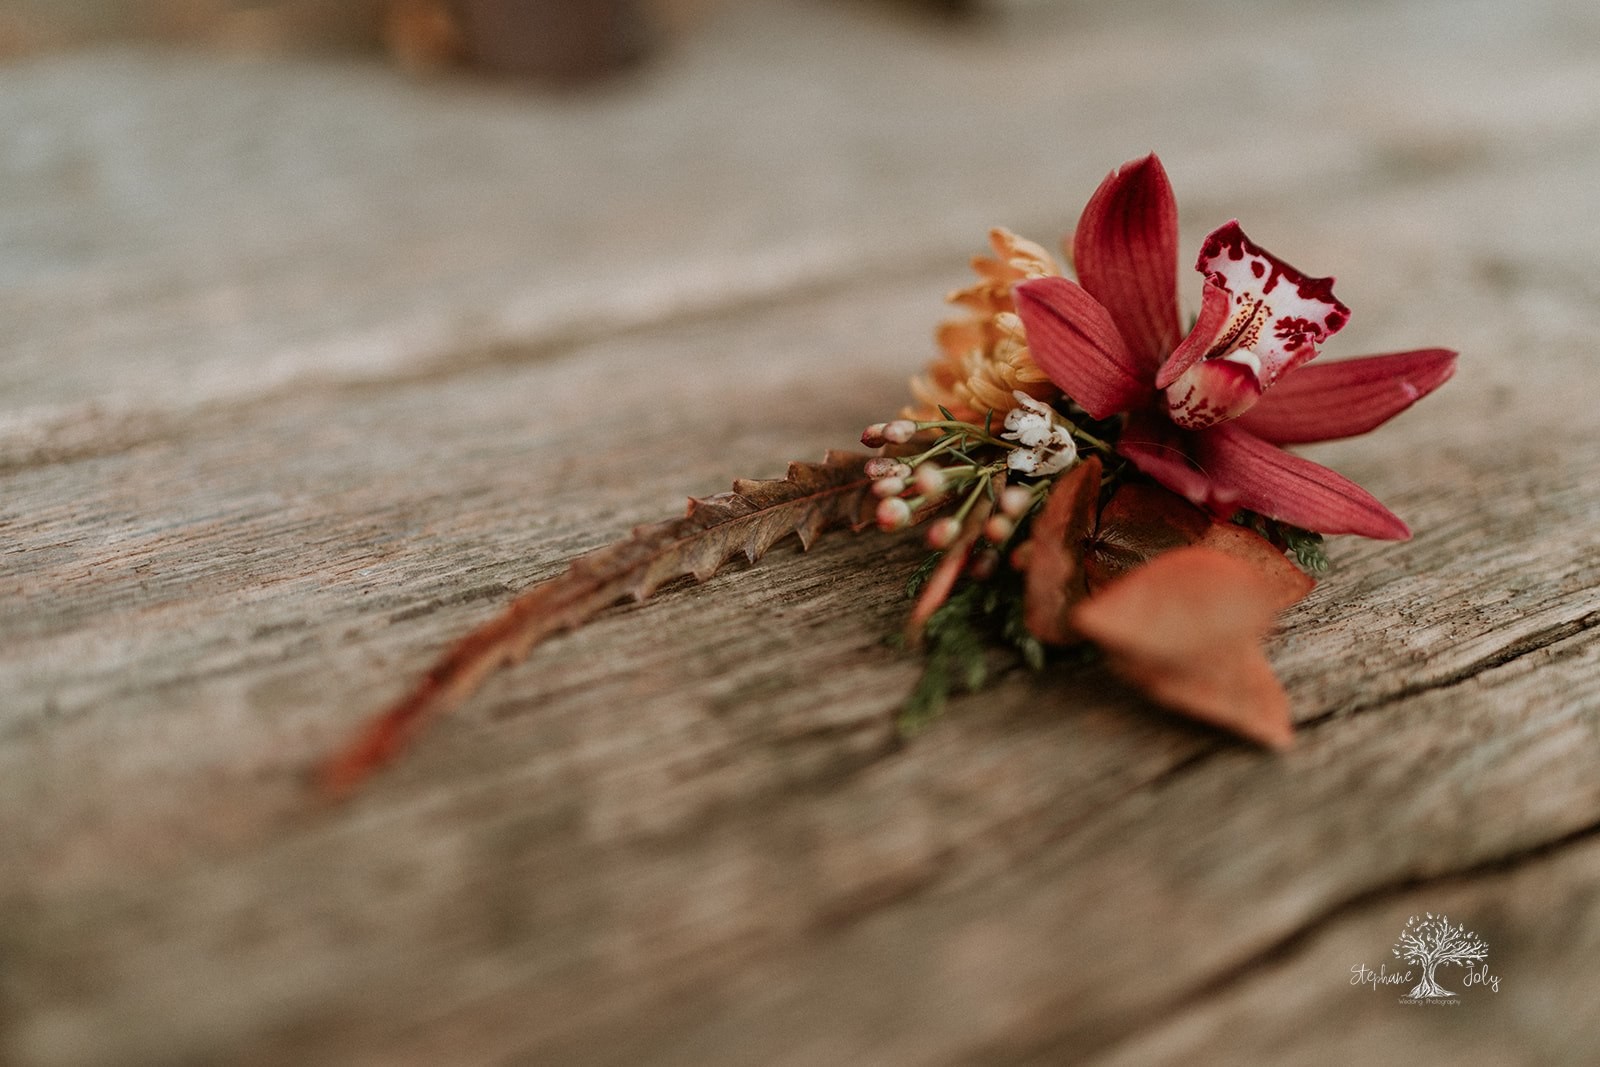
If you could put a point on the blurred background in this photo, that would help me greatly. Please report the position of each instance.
(550, 38)
(554, 39)
(469, 173)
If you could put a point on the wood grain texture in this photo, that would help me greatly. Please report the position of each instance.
(307, 370)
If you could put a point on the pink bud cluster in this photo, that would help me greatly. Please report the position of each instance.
(897, 432)
(1015, 503)
(903, 491)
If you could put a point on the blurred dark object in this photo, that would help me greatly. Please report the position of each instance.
(31, 26)
(423, 35)
(547, 40)
(553, 40)
(264, 25)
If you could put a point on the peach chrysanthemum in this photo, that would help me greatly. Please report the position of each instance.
(986, 354)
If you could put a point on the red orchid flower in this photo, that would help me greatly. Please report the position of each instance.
(1208, 412)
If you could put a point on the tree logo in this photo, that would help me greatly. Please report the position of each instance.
(1431, 943)
(1428, 943)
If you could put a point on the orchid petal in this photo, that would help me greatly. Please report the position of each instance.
(1278, 312)
(1073, 339)
(1216, 306)
(1125, 251)
(1325, 401)
(1161, 450)
(1261, 476)
(1227, 468)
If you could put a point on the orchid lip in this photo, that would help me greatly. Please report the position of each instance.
(1243, 331)
(1215, 390)
(1275, 310)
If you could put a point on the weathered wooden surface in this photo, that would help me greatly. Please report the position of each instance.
(306, 369)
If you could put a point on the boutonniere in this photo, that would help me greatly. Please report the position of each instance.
(1086, 474)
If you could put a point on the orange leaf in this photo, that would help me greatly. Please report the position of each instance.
(944, 576)
(1289, 583)
(1186, 629)
(1055, 579)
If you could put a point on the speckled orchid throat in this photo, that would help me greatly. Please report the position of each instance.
(1259, 318)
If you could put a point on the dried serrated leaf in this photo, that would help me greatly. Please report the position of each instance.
(755, 515)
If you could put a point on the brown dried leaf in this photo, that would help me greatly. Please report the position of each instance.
(812, 498)
(1186, 629)
(1140, 522)
(1137, 524)
(1055, 580)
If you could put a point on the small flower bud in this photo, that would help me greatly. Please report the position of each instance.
(873, 437)
(886, 467)
(893, 514)
(1015, 500)
(1022, 555)
(887, 487)
(899, 431)
(943, 533)
(984, 564)
(998, 529)
(930, 479)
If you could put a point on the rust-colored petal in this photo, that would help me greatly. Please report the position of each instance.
(1125, 251)
(943, 580)
(1186, 629)
(1055, 579)
(1288, 583)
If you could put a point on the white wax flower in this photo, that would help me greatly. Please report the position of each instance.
(1047, 445)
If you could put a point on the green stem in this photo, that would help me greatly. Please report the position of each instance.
(981, 482)
(1088, 438)
(966, 505)
(967, 430)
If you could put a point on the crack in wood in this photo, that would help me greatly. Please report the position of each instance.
(91, 434)
(1524, 646)
(1287, 945)
(493, 590)
(1542, 639)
